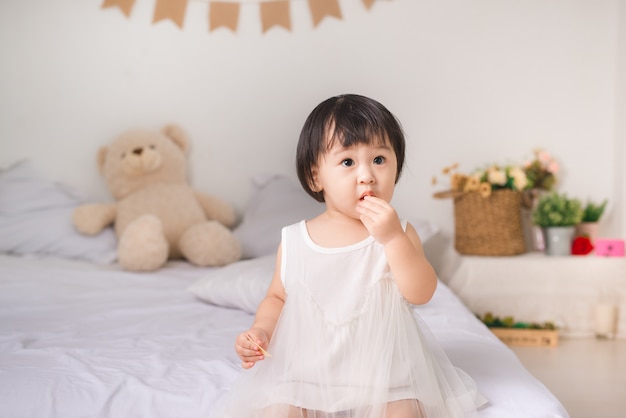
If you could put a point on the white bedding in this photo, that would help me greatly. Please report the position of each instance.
(84, 340)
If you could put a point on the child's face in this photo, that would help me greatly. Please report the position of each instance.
(346, 175)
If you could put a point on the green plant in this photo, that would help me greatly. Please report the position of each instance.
(556, 209)
(593, 212)
(508, 322)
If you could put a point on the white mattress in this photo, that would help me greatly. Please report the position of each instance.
(81, 340)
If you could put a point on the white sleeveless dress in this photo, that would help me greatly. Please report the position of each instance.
(347, 344)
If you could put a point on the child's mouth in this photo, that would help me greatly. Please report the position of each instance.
(368, 193)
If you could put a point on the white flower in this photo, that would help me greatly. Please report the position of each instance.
(519, 178)
(520, 182)
(496, 176)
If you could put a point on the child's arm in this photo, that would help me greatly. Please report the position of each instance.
(415, 277)
(259, 335)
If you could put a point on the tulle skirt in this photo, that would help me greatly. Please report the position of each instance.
(379, 361)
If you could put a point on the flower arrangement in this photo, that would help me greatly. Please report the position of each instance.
(556, 209)
(541, 171)
(593, 212)
(486, 180)
(492, 205)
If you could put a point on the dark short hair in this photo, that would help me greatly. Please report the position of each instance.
(354, 120)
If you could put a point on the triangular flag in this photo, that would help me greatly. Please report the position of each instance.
(275, 13)
(124, 5)
(368, 3)
(170, 9)
(322, 8)
(223, 14)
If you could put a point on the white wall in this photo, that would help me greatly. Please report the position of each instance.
(620, 132)
(473, 81)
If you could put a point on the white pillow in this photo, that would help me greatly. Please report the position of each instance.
(241, 285)
(276, 201)
(36, 219)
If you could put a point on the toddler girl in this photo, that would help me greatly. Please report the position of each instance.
(337, 317)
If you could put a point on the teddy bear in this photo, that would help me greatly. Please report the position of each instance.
(157, 215)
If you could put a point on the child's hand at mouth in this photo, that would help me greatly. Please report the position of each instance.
(379, 217)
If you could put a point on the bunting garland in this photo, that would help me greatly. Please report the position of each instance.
(368, 3)
(124, 5)
(322, 8)
(224, 13)
(170, 9)
(275, 13)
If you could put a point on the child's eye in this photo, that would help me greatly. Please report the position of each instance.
(379, 160)
(348, 162)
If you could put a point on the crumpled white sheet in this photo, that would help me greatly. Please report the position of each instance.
(80, 340)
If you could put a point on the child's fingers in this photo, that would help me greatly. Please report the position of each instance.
(374, 204)
(256, 345)
(378, 210)
(247, 349)
(381, 220)
(249, 361)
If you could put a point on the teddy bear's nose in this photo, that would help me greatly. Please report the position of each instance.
(138, 151)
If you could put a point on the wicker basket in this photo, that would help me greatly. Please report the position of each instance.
(488, 226)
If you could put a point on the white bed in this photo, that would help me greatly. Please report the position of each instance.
(79, 337)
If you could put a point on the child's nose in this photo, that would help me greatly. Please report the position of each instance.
(365, 175)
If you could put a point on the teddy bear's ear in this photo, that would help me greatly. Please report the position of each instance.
(177, 134)
(102, 155)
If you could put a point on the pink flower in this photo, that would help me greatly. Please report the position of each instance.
(544, 157)
(553, 167)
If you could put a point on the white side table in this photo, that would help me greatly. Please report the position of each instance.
(534, 287)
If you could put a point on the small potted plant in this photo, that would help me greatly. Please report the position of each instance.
(588, 225)
(558, 216)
